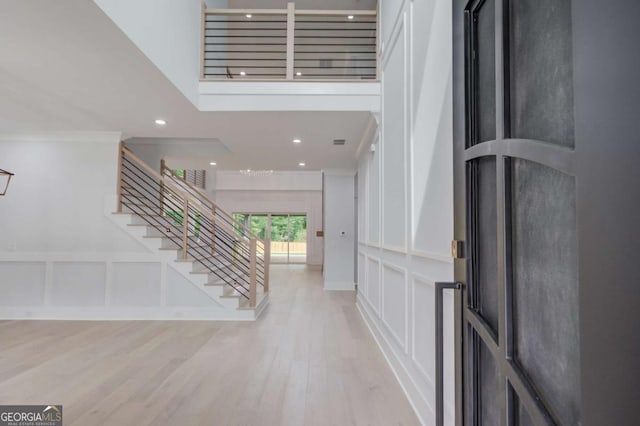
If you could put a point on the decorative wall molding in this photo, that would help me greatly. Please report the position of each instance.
(432, 256)
(415, 280)
(384, 48)
(394, 249)
(376, 305)
(404, 339)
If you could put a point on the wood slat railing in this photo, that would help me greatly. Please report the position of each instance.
(194, 225)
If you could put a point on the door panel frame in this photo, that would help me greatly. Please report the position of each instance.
(503, 149)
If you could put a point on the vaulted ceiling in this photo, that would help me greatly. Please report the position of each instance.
(64, 66)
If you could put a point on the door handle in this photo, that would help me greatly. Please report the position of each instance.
(440, 287)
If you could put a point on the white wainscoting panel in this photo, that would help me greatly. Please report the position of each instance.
(424, 326)
(373, 283)
(135, 284)
(78, 284)
(22, 283)
(363, 286)
(394, 302)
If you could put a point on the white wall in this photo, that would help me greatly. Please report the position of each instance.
(339, 231)
(405, 200)
(56, 200)
(61, 254)
(277, 181)
(180, 153)
(167, 32)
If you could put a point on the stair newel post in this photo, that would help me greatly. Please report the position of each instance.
(267, 260)
(253, 250)
(120, 155)
(185, 228)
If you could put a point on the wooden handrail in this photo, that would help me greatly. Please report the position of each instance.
(167, 184)
(195, 207)
(214, 206)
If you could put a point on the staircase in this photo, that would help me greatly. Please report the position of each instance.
(208, 247)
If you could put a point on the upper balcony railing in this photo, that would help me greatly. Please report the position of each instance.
(290, 44)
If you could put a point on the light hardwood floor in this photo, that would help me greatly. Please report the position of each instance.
(309, 359)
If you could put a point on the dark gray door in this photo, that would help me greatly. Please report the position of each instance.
(547, 163)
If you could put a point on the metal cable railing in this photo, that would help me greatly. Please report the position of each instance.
(191, 223)
(236, 46)
(334, 47)
(290, 44)
(141, 196)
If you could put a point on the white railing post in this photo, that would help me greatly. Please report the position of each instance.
(291, 27)
(253, 250)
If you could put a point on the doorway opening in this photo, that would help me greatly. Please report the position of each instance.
(287, 231)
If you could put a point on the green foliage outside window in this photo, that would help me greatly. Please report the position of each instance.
(297, 226)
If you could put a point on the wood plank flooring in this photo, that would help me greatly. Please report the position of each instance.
(309, 360)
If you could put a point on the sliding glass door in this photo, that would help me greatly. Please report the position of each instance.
(279, 238)
(288, 233)
(298, 238)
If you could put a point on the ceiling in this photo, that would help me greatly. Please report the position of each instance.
(304, 4)
(64, 66)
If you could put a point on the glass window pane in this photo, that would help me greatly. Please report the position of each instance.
(545, 284)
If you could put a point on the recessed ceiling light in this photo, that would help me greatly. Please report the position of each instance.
(161, 122)
(242, 73)
(301, 164)
(212, 163)
(248, 15)
(350, 17)
(298, 73)
(297, 140)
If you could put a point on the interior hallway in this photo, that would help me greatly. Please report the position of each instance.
(309, 359)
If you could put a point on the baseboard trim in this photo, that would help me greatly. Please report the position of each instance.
(339, 286)
(420, 406)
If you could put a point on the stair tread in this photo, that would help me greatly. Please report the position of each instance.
(207, 271)
(221, 280)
